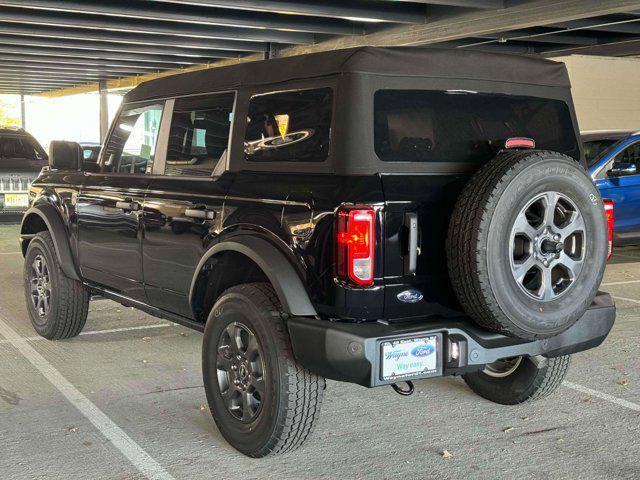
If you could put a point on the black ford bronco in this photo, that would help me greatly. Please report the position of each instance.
(371, 215)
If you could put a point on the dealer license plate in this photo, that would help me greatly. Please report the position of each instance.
(410, 357)
(16, 200)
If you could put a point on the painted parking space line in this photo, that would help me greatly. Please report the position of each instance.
(624, 282)
(604, 396)
(622, 255)
(138, 457)
(101, 332)
(625, 299)
(10, 253)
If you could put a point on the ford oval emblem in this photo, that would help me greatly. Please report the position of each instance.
(423, 350)
(410, 296)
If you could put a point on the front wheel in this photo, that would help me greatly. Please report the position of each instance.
(519, 379)
(57, 305)
(262, 401)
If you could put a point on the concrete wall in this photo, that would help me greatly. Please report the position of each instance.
(606, 91)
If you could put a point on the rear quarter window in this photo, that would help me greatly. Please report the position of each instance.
(466, 127)
(291, 126)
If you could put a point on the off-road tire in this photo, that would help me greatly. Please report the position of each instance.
(532, 380)
(294, 394)
(479, 235)
(69, 302)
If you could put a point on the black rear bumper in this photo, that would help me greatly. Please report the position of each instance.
(350, 352)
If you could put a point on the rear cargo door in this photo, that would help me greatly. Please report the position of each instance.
(434, 141)
(417, 212)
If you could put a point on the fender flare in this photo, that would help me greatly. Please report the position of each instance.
(285, 280)
(51, 218)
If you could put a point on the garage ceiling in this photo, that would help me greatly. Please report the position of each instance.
(68, 46)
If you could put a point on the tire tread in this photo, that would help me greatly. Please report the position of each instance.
(72, 297)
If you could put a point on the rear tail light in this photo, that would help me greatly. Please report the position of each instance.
(609, 214)
(355, 242)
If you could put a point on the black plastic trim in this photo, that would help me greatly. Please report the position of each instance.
(59, 234)
(349, 352)
(98, 291)
(284, 279)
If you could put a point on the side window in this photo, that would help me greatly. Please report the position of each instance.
(132, 145)
(199, 135)
(293, 126)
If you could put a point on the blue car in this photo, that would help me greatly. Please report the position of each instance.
(616, 172)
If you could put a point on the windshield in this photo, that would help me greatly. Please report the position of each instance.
(604, 151)
(594, 150)
(466, 127)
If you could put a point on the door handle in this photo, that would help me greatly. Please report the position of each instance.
(411, 257)
(201, 213)
(129, 205)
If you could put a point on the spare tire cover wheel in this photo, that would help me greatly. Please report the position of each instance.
(544, 243)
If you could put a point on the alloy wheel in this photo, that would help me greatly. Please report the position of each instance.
(40, 283)
(503, 368)
(241, 372)
(547, 247)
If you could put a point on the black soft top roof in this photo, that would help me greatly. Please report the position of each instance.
(396, 61)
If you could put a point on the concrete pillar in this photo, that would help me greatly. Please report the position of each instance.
(23, 114)
(104, 111)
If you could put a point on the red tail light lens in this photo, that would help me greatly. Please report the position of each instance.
(355, 241)
(609, 214)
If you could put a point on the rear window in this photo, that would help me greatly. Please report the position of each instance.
(466, 127)
(291, 126)
(21, 148)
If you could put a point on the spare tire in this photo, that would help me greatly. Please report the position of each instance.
(527, 244)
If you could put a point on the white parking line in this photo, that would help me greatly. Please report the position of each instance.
(626, 256)
(625, 299)
(625, 282)
(10, 253)
(100, 332)
(604, 396)
(127, 446)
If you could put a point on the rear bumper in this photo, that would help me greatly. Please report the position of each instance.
(350, 352)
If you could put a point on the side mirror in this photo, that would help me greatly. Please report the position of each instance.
(65, 155)
(619, 169)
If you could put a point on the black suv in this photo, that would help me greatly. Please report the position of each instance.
(371, 215)
(21, 159)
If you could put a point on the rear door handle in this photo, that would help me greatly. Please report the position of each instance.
(201, 213)
(411, 259)
(129, 205)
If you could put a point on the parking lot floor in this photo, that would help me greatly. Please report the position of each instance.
(124, 400)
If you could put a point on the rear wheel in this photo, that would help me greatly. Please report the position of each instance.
(262, 401)
(519, 379)
(527, 244)
(57, 304)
